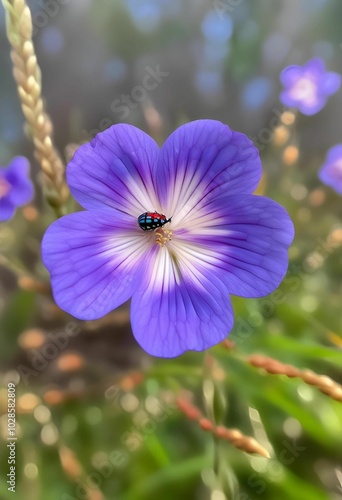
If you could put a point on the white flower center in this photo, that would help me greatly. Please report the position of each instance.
(335, 170)
(338, 165)
(305, 90)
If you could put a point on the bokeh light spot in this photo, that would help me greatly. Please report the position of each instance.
(215, 28)
(49, 434)
(42, 414)
(290, 155)
(31, 471)
(256, 92)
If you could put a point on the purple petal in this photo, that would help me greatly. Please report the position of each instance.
(179, 307)
(7, 209)
(331, 176)
(331, 171)
(310, 109)
(331, 83)
(19, 167)
(115, 170)
(17, 175)
(245, 240)
(288, 100)
(203, 160)
(94, 259)
(315, 66)
(308, 87)
(334, 154)
(290, 75)
(308, 104)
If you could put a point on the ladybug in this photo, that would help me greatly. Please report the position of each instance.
(151, 220)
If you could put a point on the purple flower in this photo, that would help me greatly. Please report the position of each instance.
(15, 187)
(221, 239)
(308, 87)
(331, 171)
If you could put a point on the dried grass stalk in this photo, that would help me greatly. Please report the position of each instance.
(234, 436)
(322, 382)
(28, 78)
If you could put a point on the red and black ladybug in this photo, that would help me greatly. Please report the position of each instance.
(149, 221)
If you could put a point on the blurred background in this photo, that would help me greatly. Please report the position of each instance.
(97, 418)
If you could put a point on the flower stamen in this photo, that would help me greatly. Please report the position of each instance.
(163, 236)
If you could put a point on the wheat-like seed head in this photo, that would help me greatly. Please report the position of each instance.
(322, 382)
(234, 436)
(28, 78)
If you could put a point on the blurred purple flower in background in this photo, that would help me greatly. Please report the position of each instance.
(331, 171)
(16, 188)
(308, 87)
(221, 240)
